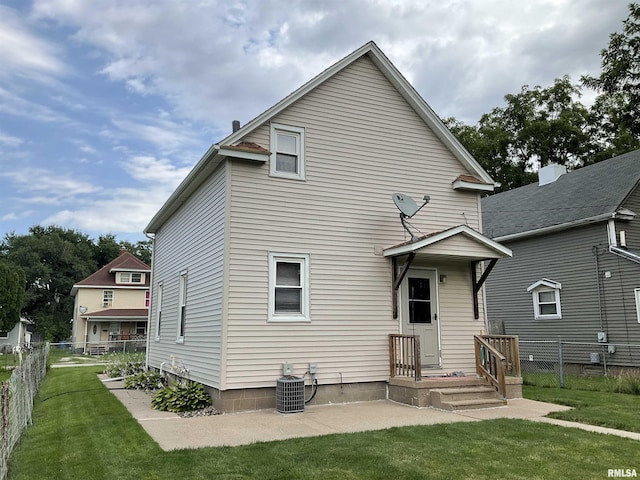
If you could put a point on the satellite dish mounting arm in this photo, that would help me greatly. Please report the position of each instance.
(404, 216)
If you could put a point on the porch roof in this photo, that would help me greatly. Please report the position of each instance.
(456, 243)
(119, 314)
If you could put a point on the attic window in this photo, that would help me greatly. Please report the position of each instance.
(131, 277)
(287, 147)
(546, 299)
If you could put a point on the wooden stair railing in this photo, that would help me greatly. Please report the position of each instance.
(491, 364)
(404, 356)
(509, 347)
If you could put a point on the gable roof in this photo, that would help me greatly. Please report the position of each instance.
(493, 249)
(105, 277)
(221, 150)
(588, 194)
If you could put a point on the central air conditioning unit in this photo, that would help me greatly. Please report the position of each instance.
(290, 394)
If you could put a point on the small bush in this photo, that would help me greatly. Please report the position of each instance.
(145, 381)
(183, 396)
(123, 364)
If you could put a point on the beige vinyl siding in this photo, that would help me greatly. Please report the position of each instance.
(455, 307)
(363, 142)
(460, 243)
(192, 240)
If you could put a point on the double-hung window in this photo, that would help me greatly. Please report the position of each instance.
(107, 298)
(130, 277)
(182, 306)
(288, 287)
(287, 151)
(546, 299)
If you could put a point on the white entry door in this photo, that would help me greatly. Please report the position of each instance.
(94, 332)
(420, 313)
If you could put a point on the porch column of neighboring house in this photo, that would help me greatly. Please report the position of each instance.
(86, 333)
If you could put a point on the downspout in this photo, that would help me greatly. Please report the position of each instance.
(153, 248)
(595, 258)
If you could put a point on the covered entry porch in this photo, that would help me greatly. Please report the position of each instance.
(438, 303)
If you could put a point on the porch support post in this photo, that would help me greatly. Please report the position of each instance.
(477, 285)
(397, 279)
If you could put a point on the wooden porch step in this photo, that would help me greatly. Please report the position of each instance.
(473, 404)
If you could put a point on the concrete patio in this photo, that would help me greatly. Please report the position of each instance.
(173, 432)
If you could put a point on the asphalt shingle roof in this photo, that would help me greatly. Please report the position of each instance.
(124, 261)
(583, 193)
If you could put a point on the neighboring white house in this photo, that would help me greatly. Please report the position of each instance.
(112, 306)
(18, 336)
(283, 244)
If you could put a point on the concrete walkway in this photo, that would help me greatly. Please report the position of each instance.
(173, 432)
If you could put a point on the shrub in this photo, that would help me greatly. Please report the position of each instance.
(145, 381)
(123, 364)
(183, 396)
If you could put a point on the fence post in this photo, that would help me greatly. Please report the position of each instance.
(561, 362)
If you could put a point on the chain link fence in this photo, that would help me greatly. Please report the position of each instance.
(16, 400)
(110, 346)
(558, 363)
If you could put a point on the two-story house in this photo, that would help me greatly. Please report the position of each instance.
(112, 306)
(282, 251)
(575, 272)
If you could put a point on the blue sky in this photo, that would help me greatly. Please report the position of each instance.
(106, 105)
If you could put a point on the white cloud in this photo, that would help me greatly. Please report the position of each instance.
(155, 171)
(10, 140)
(162, 132)
(42, 186)
(12, 104)
(23, 53)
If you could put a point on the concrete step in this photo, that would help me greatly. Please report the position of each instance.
(465, 393)
(472, 404)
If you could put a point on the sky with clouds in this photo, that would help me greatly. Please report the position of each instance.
(105, 105)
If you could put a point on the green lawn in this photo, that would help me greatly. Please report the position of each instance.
(614, 410)
(81, 431)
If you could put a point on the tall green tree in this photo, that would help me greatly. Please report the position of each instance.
(53, 259)
(537, 126)
(12, 286)
(616, 112)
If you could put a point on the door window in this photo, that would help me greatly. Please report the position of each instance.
(419, 300)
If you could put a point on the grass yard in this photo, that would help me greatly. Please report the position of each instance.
(82, 431)
(606, 409)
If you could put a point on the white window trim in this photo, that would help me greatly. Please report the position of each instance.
(275, 127)
(545, 285)
(303, 259)
(106, 304)
(159, 312)
(182, 302)
(637, 295)
(127, 278)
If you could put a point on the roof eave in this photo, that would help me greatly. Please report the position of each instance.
(198, 174)
(501, 250)
(475, 187)
(555, 228)
(243, 154)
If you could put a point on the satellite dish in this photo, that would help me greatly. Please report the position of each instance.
(408, 208)
(405, 204)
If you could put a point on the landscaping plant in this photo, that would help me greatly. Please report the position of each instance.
(182, 396)
(124, 364)
(145, 381)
